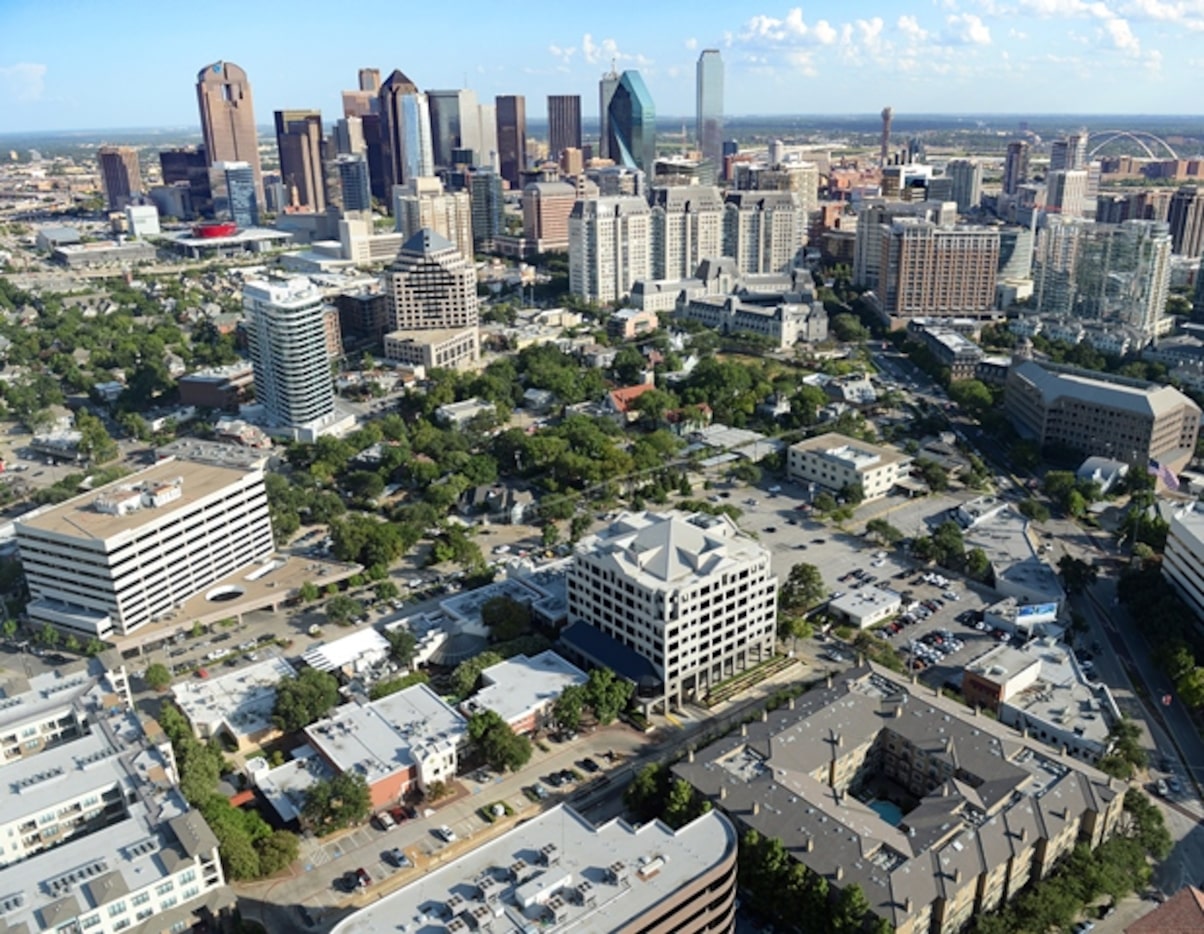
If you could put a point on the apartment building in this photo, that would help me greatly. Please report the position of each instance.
(675, 602)
(687, 228)
(423, 203)
(557, 872)
(1123, 419)
(935, 813)
(835, 461)
(610, 247)
(431, 285)
(763, 230)
(110, 561)
(546, 210)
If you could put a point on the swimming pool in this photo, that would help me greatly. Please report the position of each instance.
(888, 811)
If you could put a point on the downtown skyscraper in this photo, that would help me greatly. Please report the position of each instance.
(512, 137)
(405, 131)
(228, 118)
(299, 142)
(631, 124)
(564, 123)
(709, 110)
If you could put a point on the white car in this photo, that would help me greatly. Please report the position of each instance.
(446, 834)
(501, 550)
(775, 489)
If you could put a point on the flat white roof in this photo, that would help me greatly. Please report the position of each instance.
(364, 644)
(558, 852)
(520, 685)
(243, 700)
(390, 734)
(862, 602)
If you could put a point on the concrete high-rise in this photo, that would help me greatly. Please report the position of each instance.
(546, 210)
(1066, 192)
(353, 183)
(512, 137)
(1186, 219)
(431, 286)
(631, 125)
(299, 142)
(687, 227)
(485, 189)
(422, 203)
(369, 79)
(610, 247)
(228, 118)
(966, 175)
(120, 175)
(564, 123)
(606, 92)
(405, 131)
(191, 167)
(1069, 153)
(708, 92)
(242, 201)
(762, 230)
(1015, 166)
(286, 331)
(455, 124)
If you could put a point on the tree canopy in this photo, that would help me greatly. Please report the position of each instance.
(303, 699)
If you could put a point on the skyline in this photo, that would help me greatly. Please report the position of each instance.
(946, 56)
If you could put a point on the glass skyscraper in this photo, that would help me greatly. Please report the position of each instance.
(709, 91)
(631, 125)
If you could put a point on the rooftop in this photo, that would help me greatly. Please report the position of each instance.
(362, 646)
(558, 866)
(1004, 537)
(241, 701)
(1130, 395)
(860, 602)
(670, 549)
(79, 517)
(520, 685)
(860, 455)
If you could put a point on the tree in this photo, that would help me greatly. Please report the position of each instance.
(550, 535)
(277, 852)
(825, 502)
(465, 676)
(157, 677)
(303, 699)
(645, 796)
(567, 710)
(972, 395)
(1077, 574)
(949, 544)
(679, 807)
(934, 475)
(849, 911)
(607, 694)
(341, 609)
(496, 741)
(338, 802)
(506, 618)
(9, 628)
(386, 590)
(308, 592)
(1035, 510)
(884, 532)
(804, 589)
(848, 329)
(49, 636)
(401, 645)
(978, 564)
(1190, 686)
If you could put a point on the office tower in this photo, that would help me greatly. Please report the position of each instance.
(422, 203)
(431, 285)
(1015, 252)
(1066, 192)
(709, 107)
(349, 136)
(564, 123)
(369, 79)
(801, 178)
(884, 144)
(488, 201)
(631, 125)
(762, 230)
(119, 174)
(456, 125)
(299, 142)
(360, 103)
(286, 332)
(687, 227)
(405, 130)
(374, 148)
(546, 210)
(572, 162)
(1118, 274)
(606, 92)
(610, 247)
(673, 560)
(1069, 153)
(1015, 166)
(354, 190)
(966, 175)
(1197, 301)
(190, 167)
(228, 118)
(512, 137)
(1186, 219)
(242, 200)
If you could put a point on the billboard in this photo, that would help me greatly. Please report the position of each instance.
(1028, 613)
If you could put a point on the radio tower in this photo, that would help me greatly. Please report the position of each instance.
(884, 150)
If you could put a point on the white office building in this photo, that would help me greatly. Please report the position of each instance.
(286, 330)
(675, 602)
(834, 462)
(431, 286)
(423, 202)
(113, 560)
(610, 247)
(1183, 561)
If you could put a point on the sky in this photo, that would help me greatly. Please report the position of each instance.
(98, 64)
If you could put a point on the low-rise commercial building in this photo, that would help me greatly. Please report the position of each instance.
(237, 707)
(936, 814)
(522, 690)
(1041, 690)
(781, 321)
(449, 349)
(865, 607)
(674, 602)
(835, 462)
(558, 872)
(115, 559)
(1018, 567)
(104, 253)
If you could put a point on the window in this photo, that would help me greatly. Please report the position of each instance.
(116, 909)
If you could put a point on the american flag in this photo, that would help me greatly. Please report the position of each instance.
(1165, 474)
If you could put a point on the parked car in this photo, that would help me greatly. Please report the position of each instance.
(398, 858)
(590, 766)
(362, 879)
(385, 820)
(446, 834)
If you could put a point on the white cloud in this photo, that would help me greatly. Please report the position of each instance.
(23, 82)
(803, 61)
(968, 29)
(691, 43)
(563, 54)
(824, 33)
(1186, 13)
(1122, 37)
(911, 28)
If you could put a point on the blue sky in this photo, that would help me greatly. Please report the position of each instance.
(67, 64)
